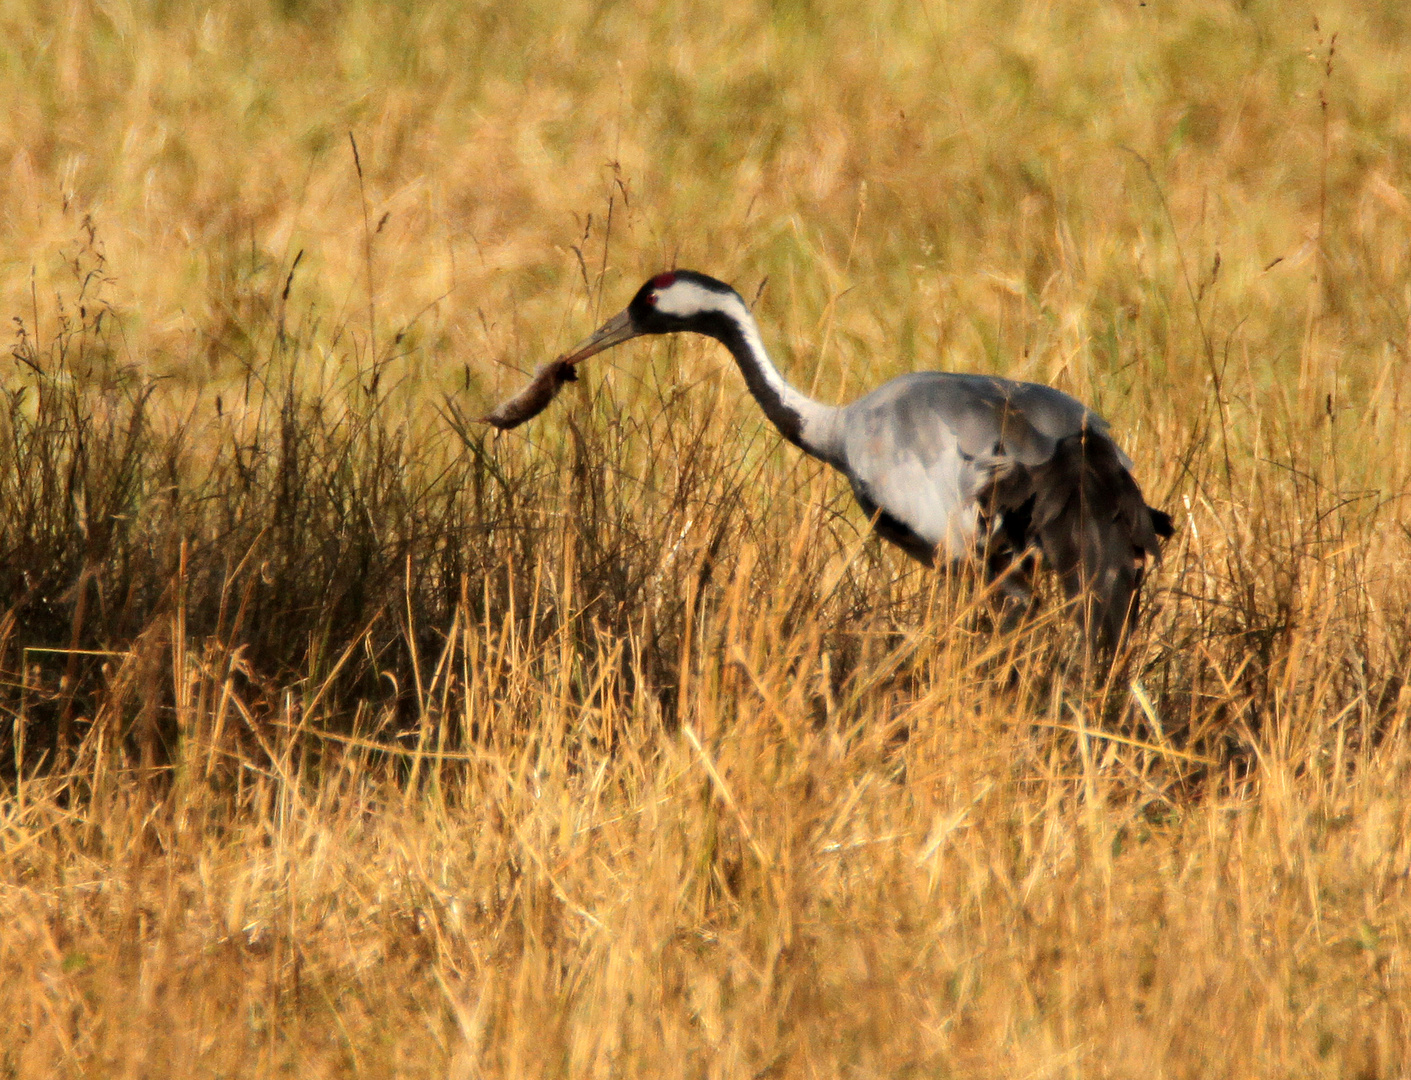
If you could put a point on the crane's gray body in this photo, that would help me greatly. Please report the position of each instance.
(921, 448)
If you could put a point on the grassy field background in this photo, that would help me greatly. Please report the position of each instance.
(337, 744)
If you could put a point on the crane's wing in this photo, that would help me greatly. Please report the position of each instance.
(930, 454)
(921, 448)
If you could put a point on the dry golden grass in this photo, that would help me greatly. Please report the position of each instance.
(337, 745)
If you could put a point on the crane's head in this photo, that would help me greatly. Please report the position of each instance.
(667, 304)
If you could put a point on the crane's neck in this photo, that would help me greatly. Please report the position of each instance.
(810, 425)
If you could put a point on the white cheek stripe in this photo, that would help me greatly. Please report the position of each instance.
(686, 298)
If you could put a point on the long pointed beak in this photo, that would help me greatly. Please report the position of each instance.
(613, 332)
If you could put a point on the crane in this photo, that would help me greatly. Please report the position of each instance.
(960, 467)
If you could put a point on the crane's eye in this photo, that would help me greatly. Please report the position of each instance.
(652, 299)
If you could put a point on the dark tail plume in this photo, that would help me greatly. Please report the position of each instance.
(1096, 531)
